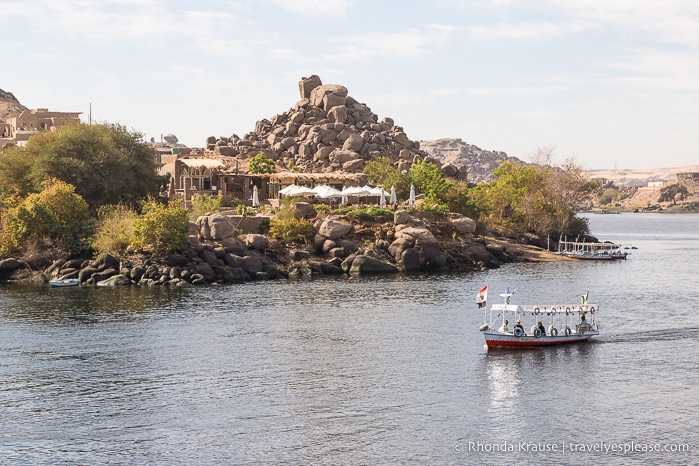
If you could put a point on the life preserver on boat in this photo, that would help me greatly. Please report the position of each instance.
(538, 333)
(592, 310)
(581, 310)
(553, 331)
(553, 310)
(536, 311)
(567, 311)
(568, 332)
(518, 332)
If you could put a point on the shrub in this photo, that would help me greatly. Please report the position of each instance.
(161, 228)
(287, 227)
(115, 229)
(203, 204)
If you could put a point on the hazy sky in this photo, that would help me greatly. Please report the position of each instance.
(612, 83)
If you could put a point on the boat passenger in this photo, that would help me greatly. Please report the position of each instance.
(583, 322)
(503, 328)
(541, 327)
(518, 325)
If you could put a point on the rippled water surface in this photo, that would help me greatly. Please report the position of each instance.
(379, 371)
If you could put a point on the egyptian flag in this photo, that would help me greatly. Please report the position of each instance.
(482, 297)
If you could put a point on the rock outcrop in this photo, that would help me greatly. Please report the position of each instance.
(326, 131)
(466, 158)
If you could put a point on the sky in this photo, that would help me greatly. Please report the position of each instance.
(608, 84)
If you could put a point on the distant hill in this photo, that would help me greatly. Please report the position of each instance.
(9, 106)
(639, 178)
(479, 163)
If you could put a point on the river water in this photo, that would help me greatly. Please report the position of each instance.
(385, 370)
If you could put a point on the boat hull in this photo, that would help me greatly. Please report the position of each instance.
(507, 340)
(66, 282)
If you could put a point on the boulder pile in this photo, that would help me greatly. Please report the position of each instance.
(327, 131)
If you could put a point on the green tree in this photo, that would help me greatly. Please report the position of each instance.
(672, 192)
(533, 198)
(106, 163)
(261, 164)
(161, 228)
(429, 180)
(380, 171)
(57, 216)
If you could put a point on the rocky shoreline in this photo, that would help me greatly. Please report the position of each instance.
(411, 242)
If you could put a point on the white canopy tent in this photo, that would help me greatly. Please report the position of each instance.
(326, 192)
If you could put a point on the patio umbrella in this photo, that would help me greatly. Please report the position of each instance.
(357, 191)
(255, 197)
(411, 200)
(297, 191)
(394, 198)
(287, 191)
(382, 198)
(324, 191)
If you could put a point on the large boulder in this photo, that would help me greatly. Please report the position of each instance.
(115, 280)
(410, 260)
(337, 114)
(9, 266)
(463, 225)
(401, 217)
(367, 265)
(257, 242)
(333, 228)
(423, 241)
(353, 143)
(215, 227)
(306, 85)
(206, 271)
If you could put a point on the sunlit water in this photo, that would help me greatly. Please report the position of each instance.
(384, 370)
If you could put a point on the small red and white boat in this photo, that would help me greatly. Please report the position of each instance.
(550, 324)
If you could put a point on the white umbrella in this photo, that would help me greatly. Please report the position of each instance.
(297, 191)
(255, 197)
(411, 200)
(382, 198)
(324, 191)
(394, 198)
(357, 191)
(287, 191)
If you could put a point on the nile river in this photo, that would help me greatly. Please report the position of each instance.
(385, 370)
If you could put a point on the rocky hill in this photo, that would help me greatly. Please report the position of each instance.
(479, 163)
(327, 131)
(9, 105)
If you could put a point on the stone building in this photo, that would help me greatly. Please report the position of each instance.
(18, 129)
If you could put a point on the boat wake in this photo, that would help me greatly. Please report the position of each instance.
(669, 334)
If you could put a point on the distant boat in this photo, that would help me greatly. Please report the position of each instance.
(592, 251)
(66, 282)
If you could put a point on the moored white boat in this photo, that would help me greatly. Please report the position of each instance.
(550, 324)
(66, 282)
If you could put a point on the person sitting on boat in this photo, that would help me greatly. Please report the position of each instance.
(518, 325)
(540, 327)
(583, 322)
(503, 328)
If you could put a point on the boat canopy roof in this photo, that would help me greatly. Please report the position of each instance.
(545, 309)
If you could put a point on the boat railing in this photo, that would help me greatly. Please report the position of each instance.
(547, 309)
